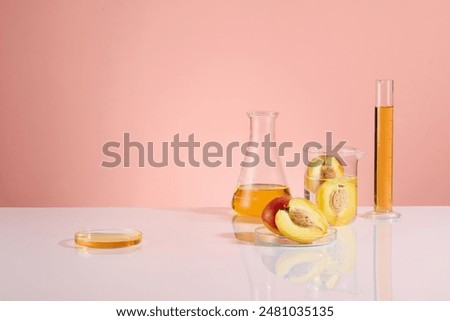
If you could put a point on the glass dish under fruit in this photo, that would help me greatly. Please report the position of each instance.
(264, 236)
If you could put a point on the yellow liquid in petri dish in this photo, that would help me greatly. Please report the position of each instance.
(108, 239)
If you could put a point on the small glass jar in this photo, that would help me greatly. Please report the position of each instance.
(331, 182)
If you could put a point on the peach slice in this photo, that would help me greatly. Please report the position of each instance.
(322, 168)
(337, 200)
(271, 209)
(301, 221)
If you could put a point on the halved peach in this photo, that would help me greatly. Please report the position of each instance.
(337, 200)
(322, 168)
(301, 221)
(271, 209)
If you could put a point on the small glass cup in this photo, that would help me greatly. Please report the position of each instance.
(331, 182)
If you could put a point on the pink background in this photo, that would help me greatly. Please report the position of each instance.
(76, 74)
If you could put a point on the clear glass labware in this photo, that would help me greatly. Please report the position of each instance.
(262, 175)
(331, 182)
(384, 142)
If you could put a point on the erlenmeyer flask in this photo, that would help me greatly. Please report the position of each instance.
(262, 175)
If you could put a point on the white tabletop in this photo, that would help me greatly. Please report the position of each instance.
(193, 254)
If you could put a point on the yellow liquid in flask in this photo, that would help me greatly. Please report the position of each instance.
(251, 199)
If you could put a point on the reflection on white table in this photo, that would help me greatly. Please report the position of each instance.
(209, 254)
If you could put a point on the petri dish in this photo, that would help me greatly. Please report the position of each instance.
(108, 238)
(263, 236)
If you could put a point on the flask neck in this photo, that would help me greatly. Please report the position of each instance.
(262, 124)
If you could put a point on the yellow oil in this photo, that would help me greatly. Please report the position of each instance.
(108, 239)
(383, 158)
(251, 199)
